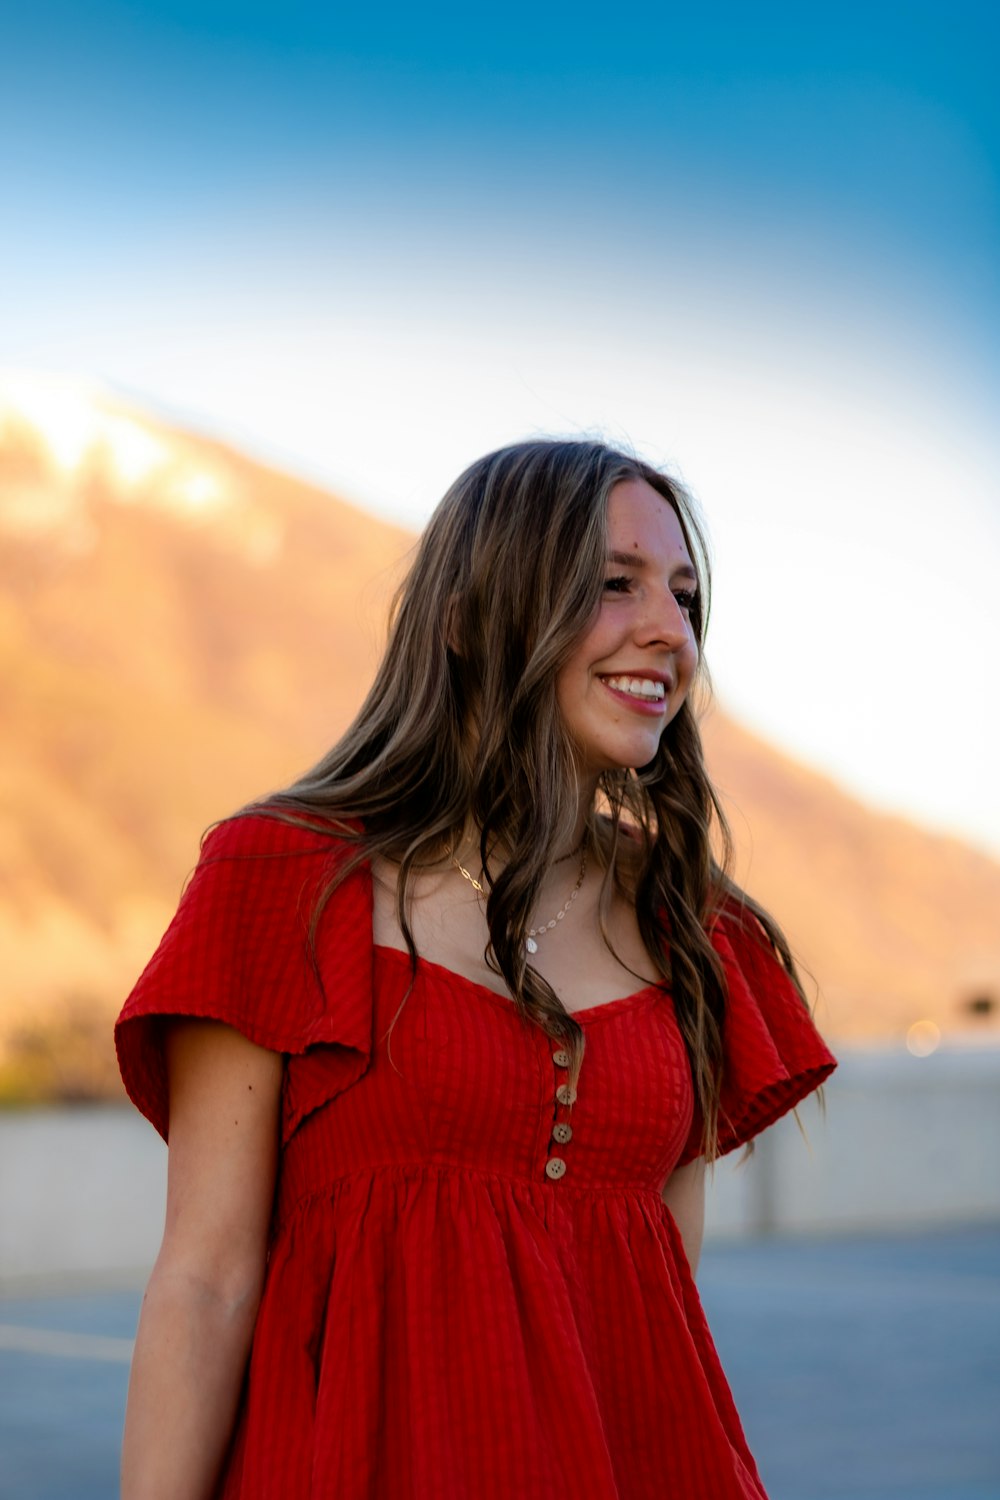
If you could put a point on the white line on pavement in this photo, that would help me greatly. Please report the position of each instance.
(65, 1345)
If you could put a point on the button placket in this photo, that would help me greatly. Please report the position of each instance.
(562, 1131)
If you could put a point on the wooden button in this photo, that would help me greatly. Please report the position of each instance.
(565, 1094)
(555, 1168)
(561, 1058)
(562, 1133)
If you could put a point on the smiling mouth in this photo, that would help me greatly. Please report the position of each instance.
(642, 688)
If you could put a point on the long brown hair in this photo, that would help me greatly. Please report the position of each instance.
(506, 578)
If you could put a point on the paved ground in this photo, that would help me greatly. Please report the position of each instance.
(865, 1369)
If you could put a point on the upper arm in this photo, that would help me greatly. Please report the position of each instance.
(684, 1196)
(225, 1096)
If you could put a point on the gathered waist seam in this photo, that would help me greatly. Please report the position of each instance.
(561, 1189)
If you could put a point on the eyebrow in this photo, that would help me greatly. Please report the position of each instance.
(636, 560)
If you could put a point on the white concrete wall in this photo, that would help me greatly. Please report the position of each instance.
(82, 1192)
(906, 1142)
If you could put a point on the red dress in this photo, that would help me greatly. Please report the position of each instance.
(461, 1303)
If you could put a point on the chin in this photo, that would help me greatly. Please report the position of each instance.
(630, 759)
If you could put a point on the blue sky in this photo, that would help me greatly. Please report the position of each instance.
(760, 243)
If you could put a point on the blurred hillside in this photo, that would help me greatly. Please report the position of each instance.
(182, 629)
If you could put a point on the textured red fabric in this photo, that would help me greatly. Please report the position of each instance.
(441, 1317)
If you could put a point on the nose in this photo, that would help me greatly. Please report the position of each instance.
(664, 622)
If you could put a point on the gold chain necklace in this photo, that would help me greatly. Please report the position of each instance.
(534, 933)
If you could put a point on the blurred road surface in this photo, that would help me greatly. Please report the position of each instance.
(864, 1369)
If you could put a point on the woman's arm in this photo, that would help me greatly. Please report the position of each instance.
(684, 1195)
(198, 1313)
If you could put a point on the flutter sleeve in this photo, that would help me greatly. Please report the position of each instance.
(773, 1056)
(238, 951)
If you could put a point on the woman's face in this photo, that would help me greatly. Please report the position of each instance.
(630, 673)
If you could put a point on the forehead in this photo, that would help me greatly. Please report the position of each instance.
(642, 521)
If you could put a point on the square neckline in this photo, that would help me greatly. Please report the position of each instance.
(585, 1015)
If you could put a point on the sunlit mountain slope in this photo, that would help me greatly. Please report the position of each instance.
(182, 628)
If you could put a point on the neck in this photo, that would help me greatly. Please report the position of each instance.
(570, 845)
(586, 798)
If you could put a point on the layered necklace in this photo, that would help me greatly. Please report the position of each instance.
(534, 933)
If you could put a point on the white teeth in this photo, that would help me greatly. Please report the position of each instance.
(639, 687)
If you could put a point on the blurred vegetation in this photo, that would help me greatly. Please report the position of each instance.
(66, 1056)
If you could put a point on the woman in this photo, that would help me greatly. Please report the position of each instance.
(445, 1034)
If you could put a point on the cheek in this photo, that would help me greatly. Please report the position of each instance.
(573, 676)
(568, 694)
(687, 664)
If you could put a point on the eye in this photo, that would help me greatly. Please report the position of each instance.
(618, 585)
(687, 598)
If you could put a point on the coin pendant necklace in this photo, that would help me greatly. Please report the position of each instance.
(534, 933)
